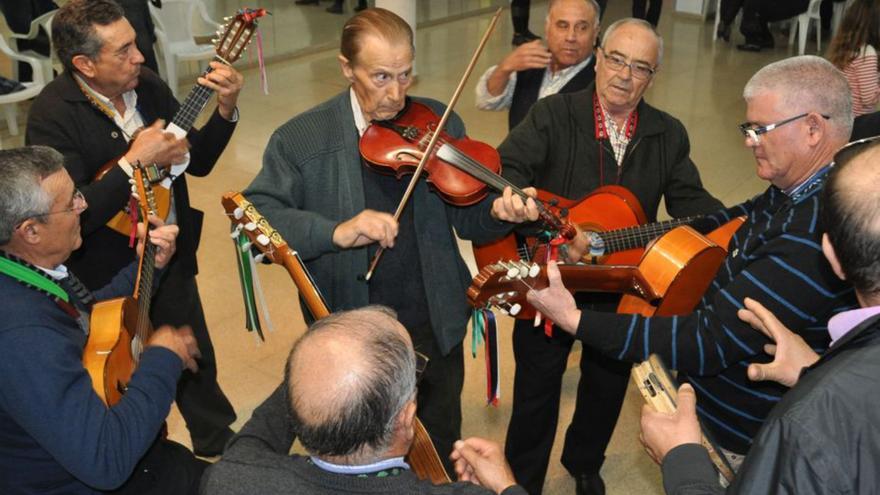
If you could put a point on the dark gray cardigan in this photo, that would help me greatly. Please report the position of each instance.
(311, 181)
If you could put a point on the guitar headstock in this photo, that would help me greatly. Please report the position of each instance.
(144, 191)
(237, 34)
(255, 226)
(504, 284)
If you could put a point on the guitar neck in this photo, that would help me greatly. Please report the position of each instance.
(639, 236)
(194, 104)
(305, 284)
(144, 296)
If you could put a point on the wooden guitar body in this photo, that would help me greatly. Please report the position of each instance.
(679, 267)
(107, 355)
(606, 208)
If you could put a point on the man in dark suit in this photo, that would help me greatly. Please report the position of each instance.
(533, 71)
(93, 114)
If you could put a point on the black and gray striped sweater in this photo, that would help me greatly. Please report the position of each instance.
(775, 258)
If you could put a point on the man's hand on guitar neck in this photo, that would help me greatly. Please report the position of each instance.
(163, 236)
(227, 83)
(556, 302)
(153, 145)
(180, 341)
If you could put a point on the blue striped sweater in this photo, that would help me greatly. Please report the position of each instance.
(775, 258)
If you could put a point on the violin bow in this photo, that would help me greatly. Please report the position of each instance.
(440, 126)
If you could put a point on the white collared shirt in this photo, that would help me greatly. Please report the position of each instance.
(359, 121)
(58, 273)
(550, 85)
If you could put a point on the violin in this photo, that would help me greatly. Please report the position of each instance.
(461, 170)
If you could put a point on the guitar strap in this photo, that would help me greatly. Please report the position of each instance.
(31, 277)
(602, 134)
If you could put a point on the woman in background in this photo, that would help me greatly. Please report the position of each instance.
(854, 51)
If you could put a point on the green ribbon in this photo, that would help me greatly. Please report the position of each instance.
(32, 278)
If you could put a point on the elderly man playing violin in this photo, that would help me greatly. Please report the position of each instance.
(798, 114)
(315, 190)
(560, 149)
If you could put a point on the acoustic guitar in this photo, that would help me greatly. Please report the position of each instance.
(422, 457)
(120, 328)
(230, 45)
(671, 277)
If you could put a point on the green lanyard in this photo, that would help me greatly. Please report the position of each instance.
(20, 271)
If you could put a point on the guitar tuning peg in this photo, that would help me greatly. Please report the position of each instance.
(214, 40)
(250, 226)
(238, 213)
(515, 309)
(235, 233)
(131, 181)
(263, 240)
(512, 270)
(534, 270)
(259, 258)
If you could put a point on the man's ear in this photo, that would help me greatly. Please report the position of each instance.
(406, 419)
(84, 65)
(30, 231)
(818, 127)
(347, 69)
(831, 256)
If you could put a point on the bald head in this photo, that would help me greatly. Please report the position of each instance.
(851, 214)
(348, 378)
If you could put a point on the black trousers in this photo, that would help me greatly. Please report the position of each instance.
(653, 11)
(540, 364)
(204, 407)
(167, 468)
(439, 395)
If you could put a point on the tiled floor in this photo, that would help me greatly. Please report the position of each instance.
(699, 82)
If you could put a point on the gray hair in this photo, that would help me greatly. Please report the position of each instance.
(636, 22)
(361, 422)
(73, 28)
(21, 197)
(807, 84)
(592, 3)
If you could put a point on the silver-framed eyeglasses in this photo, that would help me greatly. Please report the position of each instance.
(753, 131)
(639, 70)
(78, 201)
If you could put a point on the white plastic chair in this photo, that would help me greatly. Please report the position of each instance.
(175, 36)
(801, 25)
(46, 62)
(9, 102)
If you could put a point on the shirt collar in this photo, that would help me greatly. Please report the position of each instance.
(129, 97)
(573, 69)
(58, 273)
(842, 323)
(359, 121)
(383, 465)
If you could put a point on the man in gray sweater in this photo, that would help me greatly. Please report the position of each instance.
(335, 212)
(349, 394)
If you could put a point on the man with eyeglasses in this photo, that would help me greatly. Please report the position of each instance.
(105, 112)
(799, 113)
(57, 434)
(823, 436)
(571, 144)
(532, 71)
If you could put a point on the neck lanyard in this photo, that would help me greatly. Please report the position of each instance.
(29, 276)
(602, 134)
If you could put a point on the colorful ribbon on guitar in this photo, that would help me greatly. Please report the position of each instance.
(251, 290)
(484, 330)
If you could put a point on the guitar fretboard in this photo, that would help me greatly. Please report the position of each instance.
(195, 101)
(640, 235)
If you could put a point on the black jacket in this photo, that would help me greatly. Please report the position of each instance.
(62, 117)
(823, 437)
(554, 148)
(528, 85)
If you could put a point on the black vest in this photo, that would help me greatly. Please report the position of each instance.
(528, 85)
